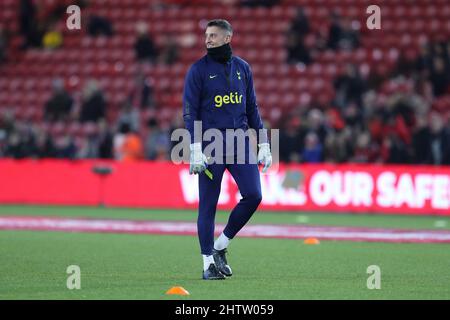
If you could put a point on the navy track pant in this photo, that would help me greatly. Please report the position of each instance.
(249, 184)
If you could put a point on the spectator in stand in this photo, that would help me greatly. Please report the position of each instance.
(438, 139)
(349, 87)
(440, 77)
(405, 65)
(296, 46)
(447, 54)
(141, 95)
(44, 145)
(65, 147)
(446, 142)
(402, 106)
(128, 144)
(129, 115)
(3, 44)
(349, 37)
(423, 94)
(300, 24)
(119, 139)
(157, 142)
(6, 127)
(29, 26)
(21, 141)
(99, 26)
(59, 106)
(341, 34)
(334, 31)
(421, 140)
(144, 46)
(89, 146)
(3, 135)
(291, 141)
(424, 59)
(313, 151)
(338, 146)
(364, 150)
(334, 120)
(105, 140)
(28, 139)
(377, 76)
(14, 147)
(132, 148)
(93, 106)
(316, 124)
(394, 150)
(8, 120)
(297, 50)
(438, 50)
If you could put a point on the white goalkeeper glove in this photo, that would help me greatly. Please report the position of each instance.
(264, 156)
(197, 160)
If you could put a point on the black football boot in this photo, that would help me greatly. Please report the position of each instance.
(212, 273)
(221, 261)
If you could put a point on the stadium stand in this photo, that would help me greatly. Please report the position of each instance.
(387, 61)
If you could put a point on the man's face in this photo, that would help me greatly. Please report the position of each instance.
(216, 37)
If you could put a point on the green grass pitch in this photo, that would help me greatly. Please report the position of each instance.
(122, 266)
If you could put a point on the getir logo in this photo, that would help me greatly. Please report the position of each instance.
(233, 98)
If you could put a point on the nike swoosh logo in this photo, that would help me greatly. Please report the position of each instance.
(212, 77)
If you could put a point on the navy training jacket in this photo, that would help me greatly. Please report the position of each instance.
(222, 96)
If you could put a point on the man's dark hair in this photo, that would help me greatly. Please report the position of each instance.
(222, 24)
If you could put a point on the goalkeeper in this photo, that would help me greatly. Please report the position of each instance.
(219, 92)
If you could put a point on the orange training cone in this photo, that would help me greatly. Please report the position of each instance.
(311, 241)
(178, 290)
